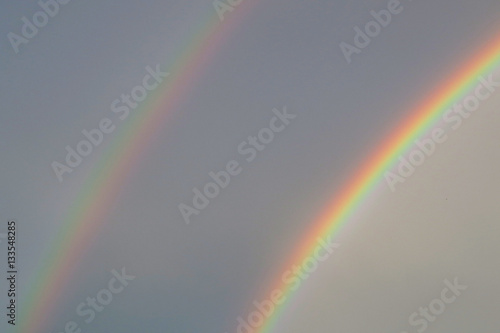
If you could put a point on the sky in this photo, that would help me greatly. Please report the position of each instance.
(394, 255)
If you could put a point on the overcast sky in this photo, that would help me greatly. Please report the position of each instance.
(282, 54)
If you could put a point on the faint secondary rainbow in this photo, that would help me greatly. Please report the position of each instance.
(99, 192)
(366, 178)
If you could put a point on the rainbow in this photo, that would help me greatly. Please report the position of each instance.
(100, 190)
(364, 180)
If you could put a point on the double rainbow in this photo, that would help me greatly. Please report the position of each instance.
(100, 190)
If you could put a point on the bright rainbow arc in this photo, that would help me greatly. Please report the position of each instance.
(100, 191)
(364, 181)
(98, 195)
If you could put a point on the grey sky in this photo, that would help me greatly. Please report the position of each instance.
(202, 276)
